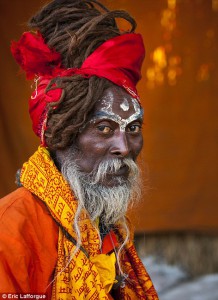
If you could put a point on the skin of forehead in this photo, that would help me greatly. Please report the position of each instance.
(106, 111)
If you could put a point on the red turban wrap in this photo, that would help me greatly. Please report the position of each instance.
(118, 60)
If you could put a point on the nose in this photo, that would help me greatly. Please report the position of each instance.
(120, 147)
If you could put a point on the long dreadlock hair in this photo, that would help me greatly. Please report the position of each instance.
(75, 28)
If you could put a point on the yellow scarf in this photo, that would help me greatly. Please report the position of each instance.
(88, 275)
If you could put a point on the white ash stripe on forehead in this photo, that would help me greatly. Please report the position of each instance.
(106, 112)
(136, 105)
(108, 100)
(123, 123)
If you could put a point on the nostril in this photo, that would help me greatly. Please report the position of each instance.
(120, 152)
(117, 153)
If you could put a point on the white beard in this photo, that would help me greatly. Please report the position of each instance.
(108, 203)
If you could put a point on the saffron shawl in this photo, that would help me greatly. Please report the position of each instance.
(79, 278)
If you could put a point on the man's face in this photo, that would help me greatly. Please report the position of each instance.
(99, 166)
(113, 131)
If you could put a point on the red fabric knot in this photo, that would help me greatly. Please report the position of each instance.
(34, 56)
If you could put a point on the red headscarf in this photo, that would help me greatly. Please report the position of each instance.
(118, 60)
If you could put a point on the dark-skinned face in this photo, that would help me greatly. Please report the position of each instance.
(113, 131)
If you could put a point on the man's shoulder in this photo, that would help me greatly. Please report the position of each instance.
(21, 206)
(20, 198)
(28, 242)
(24, 219)
(19, 195)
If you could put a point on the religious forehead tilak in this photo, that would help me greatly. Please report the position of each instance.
(109, 61)
(106, 111)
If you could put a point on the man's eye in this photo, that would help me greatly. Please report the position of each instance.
(134, 128)
(104, 129)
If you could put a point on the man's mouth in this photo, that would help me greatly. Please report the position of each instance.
(122, 171)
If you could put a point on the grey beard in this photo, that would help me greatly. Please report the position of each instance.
(108, 203)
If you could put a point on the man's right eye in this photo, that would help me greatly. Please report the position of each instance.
(104, 129)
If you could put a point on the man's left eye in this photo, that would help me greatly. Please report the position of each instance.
(104, 129)
(134, 128)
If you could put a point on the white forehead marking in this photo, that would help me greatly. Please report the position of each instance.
(107, 108)
(125, 105)
(136, 105)
(108, 103)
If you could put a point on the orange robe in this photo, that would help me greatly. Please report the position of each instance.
(28, 244)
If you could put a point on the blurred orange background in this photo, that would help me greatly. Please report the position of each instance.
(179, 92)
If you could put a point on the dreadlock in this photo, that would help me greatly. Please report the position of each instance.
(75, 28)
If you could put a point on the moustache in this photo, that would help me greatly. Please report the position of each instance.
(114, 167)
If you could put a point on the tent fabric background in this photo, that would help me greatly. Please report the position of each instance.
(180, 102)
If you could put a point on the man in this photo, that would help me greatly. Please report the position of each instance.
(63, 231)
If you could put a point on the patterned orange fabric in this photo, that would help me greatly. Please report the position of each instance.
(79, 278)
